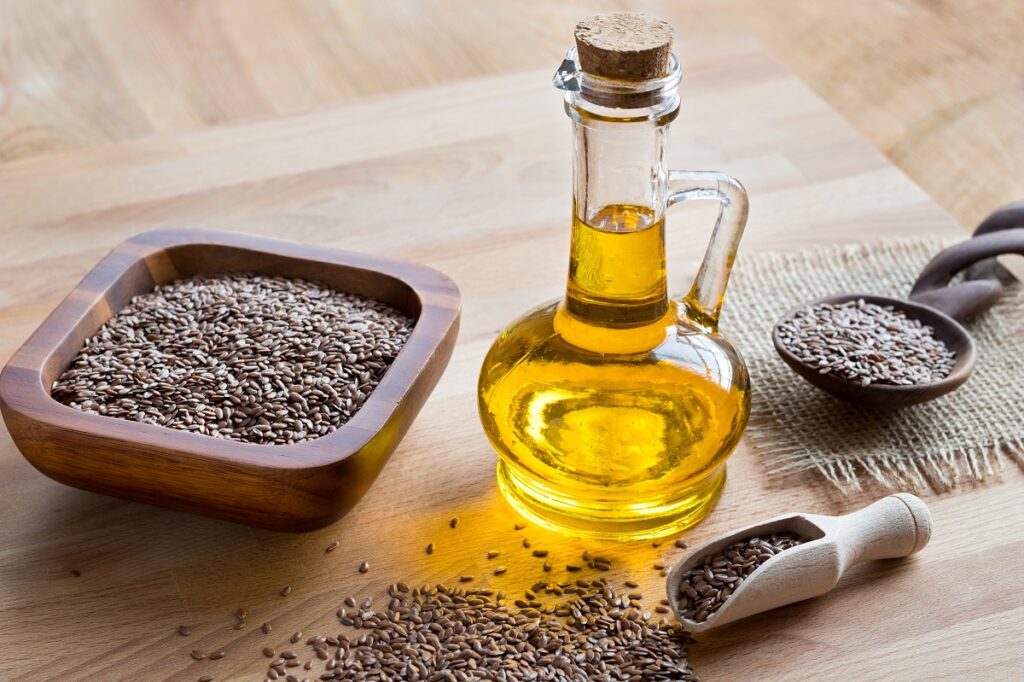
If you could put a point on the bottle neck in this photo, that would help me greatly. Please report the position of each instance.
(617, 255)
(617, 281)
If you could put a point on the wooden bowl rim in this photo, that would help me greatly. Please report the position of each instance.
(439, 309)
(882, 395)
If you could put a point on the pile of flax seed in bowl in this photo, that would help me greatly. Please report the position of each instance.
(248, 357)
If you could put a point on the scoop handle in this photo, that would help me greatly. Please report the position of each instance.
(964, 300)
(893, 527)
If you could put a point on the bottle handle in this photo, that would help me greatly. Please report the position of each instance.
(703, 304)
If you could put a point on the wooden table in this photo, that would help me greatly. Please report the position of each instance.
(471, 177)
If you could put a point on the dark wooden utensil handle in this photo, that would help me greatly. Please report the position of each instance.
(969, 298)
(1005, 217)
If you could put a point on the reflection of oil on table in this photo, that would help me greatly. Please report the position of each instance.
(471, 178)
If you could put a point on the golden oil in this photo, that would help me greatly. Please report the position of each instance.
(611, 416)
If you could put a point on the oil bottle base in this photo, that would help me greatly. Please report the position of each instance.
(606, 523)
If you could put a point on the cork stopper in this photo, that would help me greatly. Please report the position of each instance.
(624, 45)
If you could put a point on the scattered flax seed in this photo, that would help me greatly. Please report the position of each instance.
(206, 678)
(366, 603)
(526, 543)
(286, 590)
(540, 553)
(350, 602)
(465, 578)
(631, 584)
(491, 554)
(430, 548)
(241, 614)
(239, 625)
(454, 522)
(364, 567)
(196, 655)
(267, 627)
(216, 656)
(547, 566)
(471, 635)
(295, 637)
(519, 526)
(708, 585)
(572, 568)
(268, 652)
(659, 566)
(184, 630)
(657, 543)
(331, 547)
(681, 545)
(499, 570)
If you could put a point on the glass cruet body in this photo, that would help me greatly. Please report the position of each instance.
(614, 408)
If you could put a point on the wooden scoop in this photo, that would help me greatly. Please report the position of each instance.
(893, 527)
(934, 303)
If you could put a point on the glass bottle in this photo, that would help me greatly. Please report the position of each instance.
(614, 408)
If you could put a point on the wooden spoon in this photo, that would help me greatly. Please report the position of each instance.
(934, 303)
(893, 527)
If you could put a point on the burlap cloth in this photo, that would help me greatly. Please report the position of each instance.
(966, 435)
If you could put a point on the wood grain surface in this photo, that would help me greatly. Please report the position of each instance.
(470, 176)
(936, 85)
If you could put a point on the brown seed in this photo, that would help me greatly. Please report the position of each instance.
(268, 652)
(217, 655)
(572, 568)
(331, 547)
(259, 359)
(239, 625)
(267, 627)
(465, 578)
(206, 678)
(681, 545)
(657, 543)
(296, 637)
(196, 654)
(454, 522)
(630, 583)
(708, 585)
(430, 548)
(547, 566)
(286, 590)
(540, 553)
(491, 554)
(364, 567)
(241, 614)
(184, 630)
(519, 526)
(473, 633)
(526, 543)
(499, 570)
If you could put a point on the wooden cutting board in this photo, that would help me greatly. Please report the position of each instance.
(471, 178)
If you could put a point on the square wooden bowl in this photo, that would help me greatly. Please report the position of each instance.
(295, 487)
